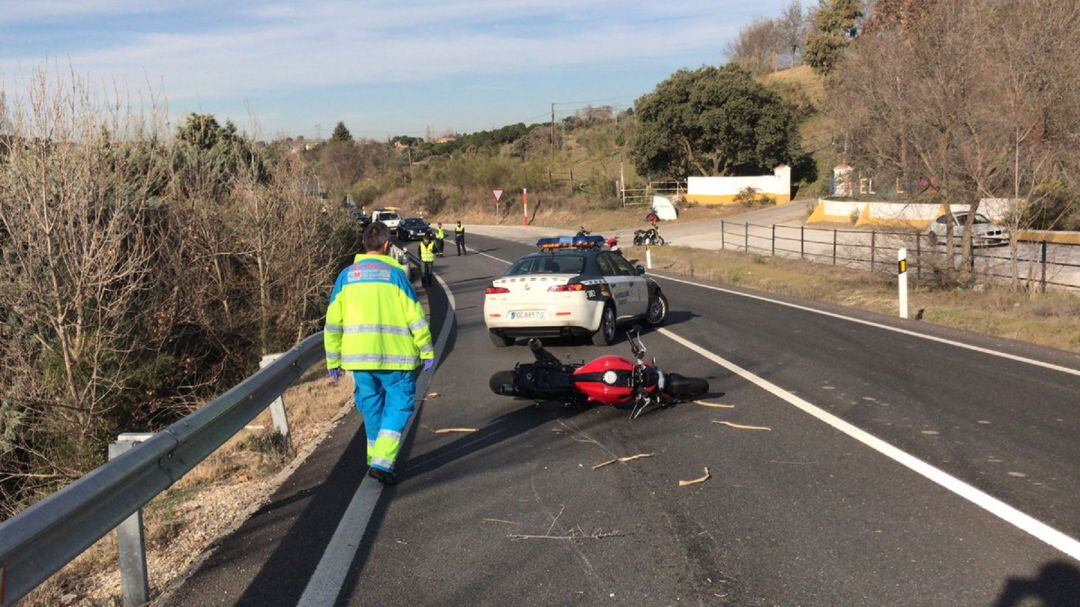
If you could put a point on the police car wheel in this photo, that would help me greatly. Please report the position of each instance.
(605, 335)
(499, 340)
(658, 309)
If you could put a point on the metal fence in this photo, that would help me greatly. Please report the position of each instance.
(641, 196)
(1039, 265)
(46, 536)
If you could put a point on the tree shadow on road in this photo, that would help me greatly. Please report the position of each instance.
(1057, 585)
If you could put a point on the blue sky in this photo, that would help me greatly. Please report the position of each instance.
(382, 67)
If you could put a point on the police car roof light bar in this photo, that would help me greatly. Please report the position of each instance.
(570, 242)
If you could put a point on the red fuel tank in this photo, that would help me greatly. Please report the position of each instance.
(606, 380)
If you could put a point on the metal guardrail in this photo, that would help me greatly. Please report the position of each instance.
(40, 540)
(46, 536)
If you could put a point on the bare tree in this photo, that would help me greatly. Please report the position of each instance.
(76, 216)
(140, 274)
(966, 101)
(792, 29)
(758, 47)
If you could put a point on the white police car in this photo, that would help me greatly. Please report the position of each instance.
(571, 287)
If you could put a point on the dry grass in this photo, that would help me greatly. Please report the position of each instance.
(804, 78)
(1051, 319)
(209, 502)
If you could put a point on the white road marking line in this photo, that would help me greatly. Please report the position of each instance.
(325, 583)
(991, 504)
(488, 256)
(958, 344)
(1014, 357)
(1007, 513)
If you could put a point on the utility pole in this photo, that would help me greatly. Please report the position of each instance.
(622, 183)
(552, 162)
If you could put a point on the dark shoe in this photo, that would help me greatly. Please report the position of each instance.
(383, 476)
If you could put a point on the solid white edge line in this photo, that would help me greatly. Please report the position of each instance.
(958, 344)
(991, 504)
(326, 581)
(869, 323)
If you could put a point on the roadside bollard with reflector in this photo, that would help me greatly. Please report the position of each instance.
(901, 267)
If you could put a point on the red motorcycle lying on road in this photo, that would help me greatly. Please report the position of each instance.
(609, 380)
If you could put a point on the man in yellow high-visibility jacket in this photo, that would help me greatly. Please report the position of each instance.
(440, 239)
(427, 260)
(375, 327)
(459, 238)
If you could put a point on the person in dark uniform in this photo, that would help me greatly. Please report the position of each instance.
(459, 238)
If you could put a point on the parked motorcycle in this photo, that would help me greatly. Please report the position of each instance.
(583, 232)
(609, 380)
(648, 237)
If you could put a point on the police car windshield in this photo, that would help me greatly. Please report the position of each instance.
(548, 264)
(385, 215)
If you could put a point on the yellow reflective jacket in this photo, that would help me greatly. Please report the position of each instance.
(427, 252)
(374, 321)
(439, 234)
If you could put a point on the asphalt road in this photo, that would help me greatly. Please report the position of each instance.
(801, 514)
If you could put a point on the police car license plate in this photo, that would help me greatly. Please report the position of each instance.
(527, 315)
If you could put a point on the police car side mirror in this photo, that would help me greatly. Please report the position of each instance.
(640, 270)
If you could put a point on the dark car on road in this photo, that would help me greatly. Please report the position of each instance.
(413, 228)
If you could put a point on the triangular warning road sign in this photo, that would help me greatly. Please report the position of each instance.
(498, 194)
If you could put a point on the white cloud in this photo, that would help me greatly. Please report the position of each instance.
(332, 43)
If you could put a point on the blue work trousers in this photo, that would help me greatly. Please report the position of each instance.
(385, 400)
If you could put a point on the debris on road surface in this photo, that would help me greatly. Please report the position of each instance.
(623, 460)
(713, 405)
(742, 426)
(499, 520)
(575, 534)
(432, 396)
(455, 430)
(697, 481)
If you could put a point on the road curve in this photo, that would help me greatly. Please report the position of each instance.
(802, 514)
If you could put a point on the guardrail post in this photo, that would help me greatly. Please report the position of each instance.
(802, 242)
(746, 237)
(834, 247)
(722, 230)
(277, 408)
(774, 240)
(134, 579)
(873, 248)
(1042, 261)
(918, 259)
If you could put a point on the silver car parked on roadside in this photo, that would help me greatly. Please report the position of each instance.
(984, 233)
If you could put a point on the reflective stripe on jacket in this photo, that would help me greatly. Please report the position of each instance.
(427, 252)
(374, 321)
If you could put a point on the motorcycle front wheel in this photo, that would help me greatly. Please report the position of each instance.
(502, 383)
